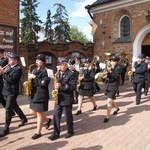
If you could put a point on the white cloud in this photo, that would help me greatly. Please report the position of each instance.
(80, 9)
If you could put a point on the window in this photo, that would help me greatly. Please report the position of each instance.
(48, 59)
(125, 27)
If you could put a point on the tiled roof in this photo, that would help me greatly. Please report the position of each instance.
(100, 2)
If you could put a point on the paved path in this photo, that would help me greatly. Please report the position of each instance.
(129, 130)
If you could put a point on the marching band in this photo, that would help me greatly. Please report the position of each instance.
(73, 80)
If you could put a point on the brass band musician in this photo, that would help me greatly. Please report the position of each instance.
(139, 70)
(86, 87)
(66, 84)
(111, 86)
(11, 77)
(39, 94)
(147, 76)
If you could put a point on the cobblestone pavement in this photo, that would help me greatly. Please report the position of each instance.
(128, 130)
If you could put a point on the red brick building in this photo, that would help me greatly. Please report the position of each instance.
(123, 26)
(9, 25)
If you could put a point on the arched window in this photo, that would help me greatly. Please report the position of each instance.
(125, 27)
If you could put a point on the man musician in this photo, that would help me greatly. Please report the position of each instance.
(147, 75)
(139, 69)
(3, 62)
(11, 77)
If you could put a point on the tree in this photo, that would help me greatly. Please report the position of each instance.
(30, 23)
(61, 24)
(48, 28)
(76, 35)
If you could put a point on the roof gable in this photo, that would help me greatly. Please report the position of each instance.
(101, 2)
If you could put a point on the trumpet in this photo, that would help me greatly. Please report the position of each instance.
(5, 68)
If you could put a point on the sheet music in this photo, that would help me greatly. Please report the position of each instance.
(50, 73)
(102, 65)
(23, 61)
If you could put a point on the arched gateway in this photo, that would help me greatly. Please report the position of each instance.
(137, 44)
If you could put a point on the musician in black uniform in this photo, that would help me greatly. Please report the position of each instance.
(111, 86)
(87, 85)
(97, 70)
(39, 94)
(78, 65)
(11, 78)
(124, 65)
(66, 85)
(147, 76)
(3, 62)
(139, 69)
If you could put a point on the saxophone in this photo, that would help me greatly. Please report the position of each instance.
(55, 91)
(79, 81)
(27, 84)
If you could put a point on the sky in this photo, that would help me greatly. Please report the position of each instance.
(78, 15)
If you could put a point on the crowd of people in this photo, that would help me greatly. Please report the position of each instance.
(74, 80)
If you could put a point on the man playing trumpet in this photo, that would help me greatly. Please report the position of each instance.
(11, 78)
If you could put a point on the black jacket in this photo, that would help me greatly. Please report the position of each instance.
(68, 85)
(3, 62)
(39, 90)
(113, 79)
(139, 74)
(11, 81)
(88, 82)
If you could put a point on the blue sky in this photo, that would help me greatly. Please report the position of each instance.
(78, 15)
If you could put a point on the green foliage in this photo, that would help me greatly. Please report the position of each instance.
(76, 35)
(48, 28)
(30, 23)
(61, 24)
(57, 28)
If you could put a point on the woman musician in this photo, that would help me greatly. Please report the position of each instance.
(39, 94)
(111, 86)
(86, 87)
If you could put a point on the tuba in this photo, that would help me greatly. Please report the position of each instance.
(55, 91)
(27, 84)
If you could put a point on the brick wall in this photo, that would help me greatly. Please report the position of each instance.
(9, 16)
(104, 37)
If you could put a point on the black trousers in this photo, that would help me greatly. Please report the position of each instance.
(58, 110)
(11, 104)
(138, 90)
(147, 84)
(2, 100)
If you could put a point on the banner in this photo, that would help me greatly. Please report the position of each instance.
(94, 27)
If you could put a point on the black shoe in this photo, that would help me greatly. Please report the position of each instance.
(95, 108)
(116, 111)
(36, 136)
(145, 94)
(13, 114)
(53, 137)
(47, 125)
(106, 120)
(23, 122)
(4, 133)
(76, 102)
(137, 103)
(78, 112)
(68, 135)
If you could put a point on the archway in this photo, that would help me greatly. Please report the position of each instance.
(137, 44)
